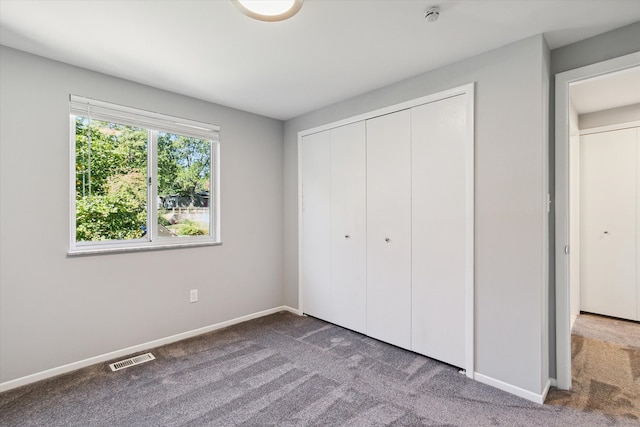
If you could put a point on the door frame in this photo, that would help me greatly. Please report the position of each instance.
(469, 91)
(562, 209)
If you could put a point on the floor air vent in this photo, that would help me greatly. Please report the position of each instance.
(132, 361)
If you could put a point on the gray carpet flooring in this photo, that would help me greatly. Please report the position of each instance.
(281, 370)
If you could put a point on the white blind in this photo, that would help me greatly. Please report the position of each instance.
(100, 110)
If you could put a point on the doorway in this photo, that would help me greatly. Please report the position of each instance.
(567, 203)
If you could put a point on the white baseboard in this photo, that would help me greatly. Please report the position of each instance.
(8, 385)
(553, 382)
(291, 310)
(509, 388)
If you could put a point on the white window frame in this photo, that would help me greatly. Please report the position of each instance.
(153, 123)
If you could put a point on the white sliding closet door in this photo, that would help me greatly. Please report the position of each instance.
(608, 223)
(389, 228)
(316, 224)
(348, 226)
(440, 194)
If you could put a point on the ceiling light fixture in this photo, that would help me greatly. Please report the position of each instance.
(268, 10)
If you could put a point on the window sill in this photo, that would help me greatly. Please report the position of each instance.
(98, 250)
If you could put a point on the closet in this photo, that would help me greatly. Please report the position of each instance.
(609, 223)
(386, 234)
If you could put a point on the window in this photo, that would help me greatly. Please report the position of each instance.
(141, 180)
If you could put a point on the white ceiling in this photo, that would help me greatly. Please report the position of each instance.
(330, 51)
(605, 92)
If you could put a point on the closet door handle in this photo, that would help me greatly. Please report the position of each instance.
(347, 236)
(386, 239)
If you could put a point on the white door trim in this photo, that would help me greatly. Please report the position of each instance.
(563, 321)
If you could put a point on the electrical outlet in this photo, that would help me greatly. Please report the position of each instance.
(193, 295)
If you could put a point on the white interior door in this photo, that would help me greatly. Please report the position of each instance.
(348, 226)
(439, 222)
(316, 225)
(389, 228)
(608, 223)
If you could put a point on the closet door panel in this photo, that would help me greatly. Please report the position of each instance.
(389, 228)
(348, 226)
(316, 225)
(608, 223)
(439, 224)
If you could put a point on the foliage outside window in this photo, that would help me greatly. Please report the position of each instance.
(141, 179)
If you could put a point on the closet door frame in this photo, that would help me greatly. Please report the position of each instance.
(468, 91)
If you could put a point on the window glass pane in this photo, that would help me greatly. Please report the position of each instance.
(184, 187)
(111, 181)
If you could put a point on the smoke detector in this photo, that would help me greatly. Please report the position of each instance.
(432, 14)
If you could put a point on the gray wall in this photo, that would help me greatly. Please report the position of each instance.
(613, 44)
(56, 310)
(511, 139)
